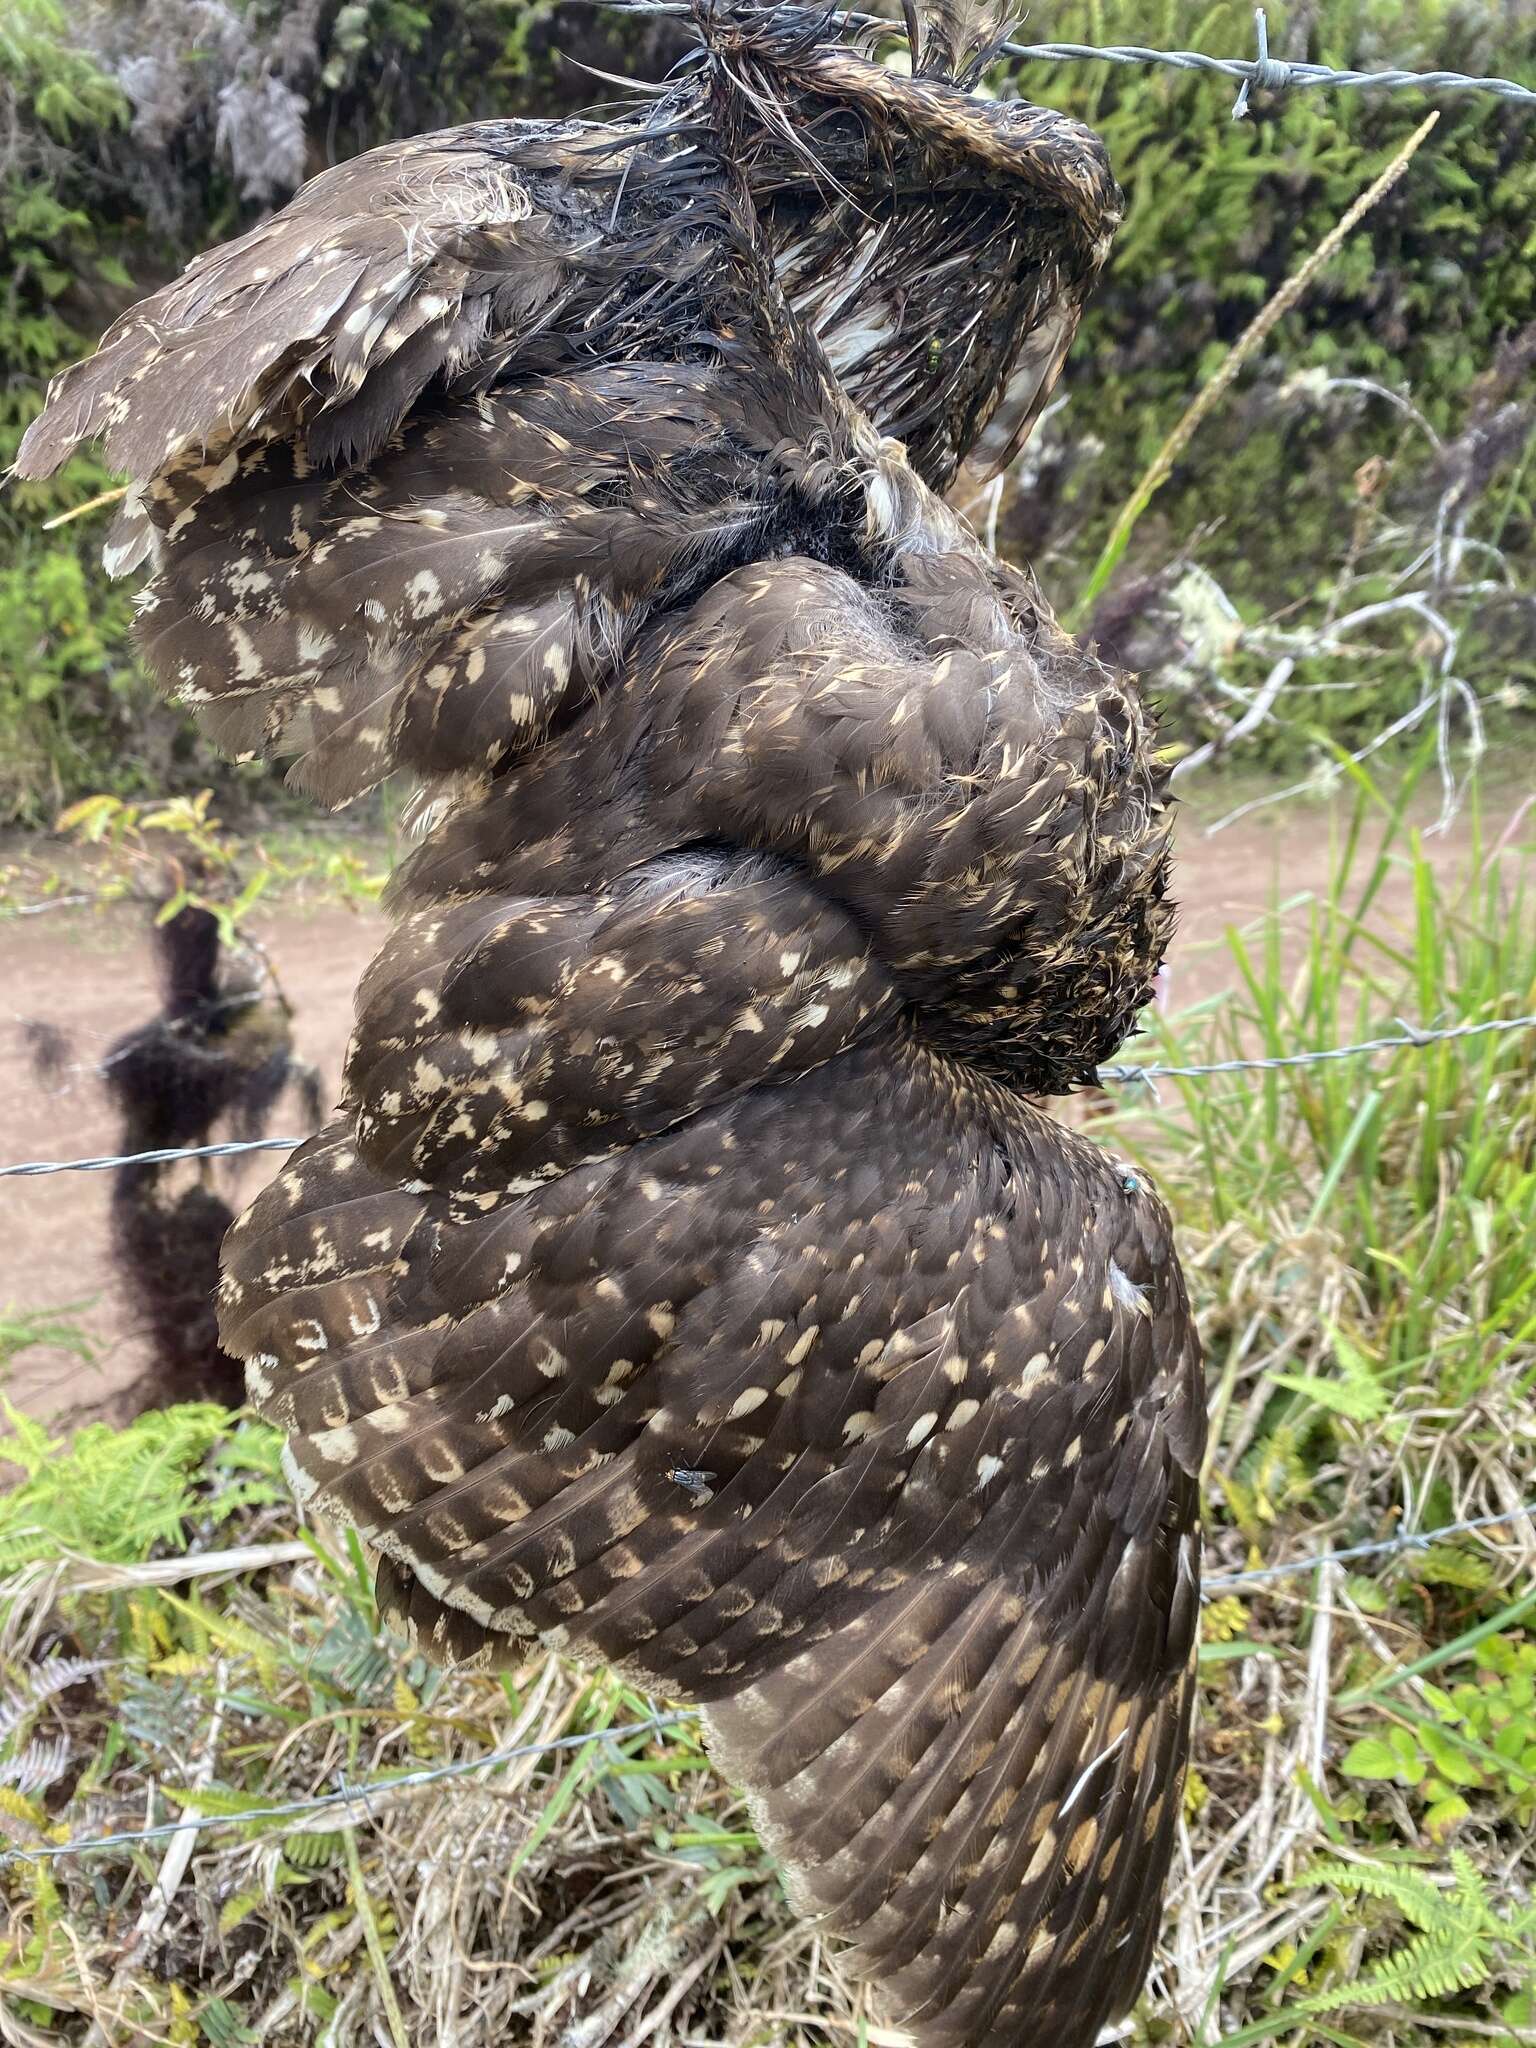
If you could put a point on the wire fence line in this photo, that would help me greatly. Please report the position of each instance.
(1261, 72)
(1407, 1037)
(353, 1794)
(109, 1162)
(1390, 1546)
(349, 1793)
(1271, 74)
(1137, 1073)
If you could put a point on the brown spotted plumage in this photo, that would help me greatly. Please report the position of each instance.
(685, 1281)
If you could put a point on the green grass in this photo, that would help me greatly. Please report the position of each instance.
(1368, 1221)
(1358, 1237)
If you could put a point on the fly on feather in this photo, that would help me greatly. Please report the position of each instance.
(697, 1485)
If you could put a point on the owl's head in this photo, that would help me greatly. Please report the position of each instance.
(939, 242)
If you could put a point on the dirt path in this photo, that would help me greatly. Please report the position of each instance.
(87, 972)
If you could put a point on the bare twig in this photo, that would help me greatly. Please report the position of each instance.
(1210, 395)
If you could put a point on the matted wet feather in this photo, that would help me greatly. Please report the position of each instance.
(685, 1281)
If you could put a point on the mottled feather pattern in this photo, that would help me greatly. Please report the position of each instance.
(778, 844)
(956, 38)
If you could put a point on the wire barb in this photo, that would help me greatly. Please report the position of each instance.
(1269, 74)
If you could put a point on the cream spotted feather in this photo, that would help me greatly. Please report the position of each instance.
(685, 1280)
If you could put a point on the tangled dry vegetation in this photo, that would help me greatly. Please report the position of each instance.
(1357, 1853)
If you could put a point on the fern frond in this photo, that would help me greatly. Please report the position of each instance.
(113, 1494)
(239, 1908)
(38, 1766)
(314, 1849)
(36, 1685)
(1429, 1966)
(1412, 1894)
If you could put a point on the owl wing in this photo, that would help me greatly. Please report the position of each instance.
(976, 1778)
(431, 258)
(257, 404)
(937, 1589)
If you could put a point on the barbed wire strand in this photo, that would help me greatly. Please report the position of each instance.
(1389, 1546)
(1406, 1037)
(109, 1162)
(1269, 74)
(1410, 1037)
(1262, 72)
(359, 1793)
(350, 1793)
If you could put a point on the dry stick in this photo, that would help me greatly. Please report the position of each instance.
(92, 1575)
(1210, 396)
(91, 505)
(1250, 721)
(172, 1870)
(373, 1939)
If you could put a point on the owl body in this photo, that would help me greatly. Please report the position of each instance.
(685, 1281)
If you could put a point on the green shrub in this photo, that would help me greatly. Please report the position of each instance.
(1221, 212)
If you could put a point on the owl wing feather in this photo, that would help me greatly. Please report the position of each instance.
(413, 260)
(253, 403)
(939, 1597)
(674, 1137)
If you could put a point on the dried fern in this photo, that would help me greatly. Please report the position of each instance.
(22, 1698)
(35, 1768)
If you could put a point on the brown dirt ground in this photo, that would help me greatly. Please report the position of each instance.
(86, 971)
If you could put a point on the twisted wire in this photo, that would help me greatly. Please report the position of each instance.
(1261, 72)
(1139, 1072)
(349, 1795)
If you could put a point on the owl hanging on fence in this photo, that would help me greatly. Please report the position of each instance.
(685, 1281)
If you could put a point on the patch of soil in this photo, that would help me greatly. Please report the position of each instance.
(88, 973)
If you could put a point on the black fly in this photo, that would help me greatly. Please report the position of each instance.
(695, 1484)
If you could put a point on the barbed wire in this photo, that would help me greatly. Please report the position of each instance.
(1408, 1037)
(351, 1794)
(1389, 1546)
(109, 1162)
(1272, 74)
(348, 1793)
(1261, 71)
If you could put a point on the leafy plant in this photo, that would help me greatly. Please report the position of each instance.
(117, 1495)
(1482, 1737)
(21, 1329)
(1461, 1939)
(216, 870)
